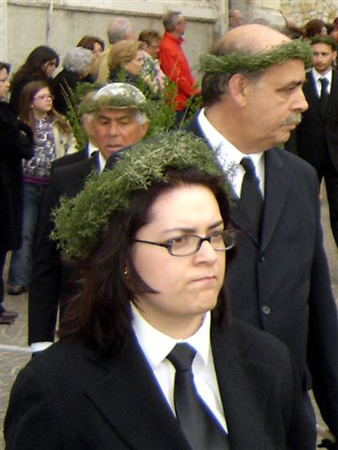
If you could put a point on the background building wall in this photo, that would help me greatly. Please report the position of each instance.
(23, 23)
(69, 20)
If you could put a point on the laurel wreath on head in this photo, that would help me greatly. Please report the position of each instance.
(239, 62)
(80, 220)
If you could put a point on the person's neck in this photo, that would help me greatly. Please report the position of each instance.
(231, 130)
(323, 74)
(175, 34)
(40, 115)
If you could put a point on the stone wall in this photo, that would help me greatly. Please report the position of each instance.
(303, 11)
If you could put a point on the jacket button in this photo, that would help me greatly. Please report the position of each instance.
(266, 309)
(262, 258)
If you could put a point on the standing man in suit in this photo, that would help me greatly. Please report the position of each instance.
(316, 137)
(116, 119)
(280, 282)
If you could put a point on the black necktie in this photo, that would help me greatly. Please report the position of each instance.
(251, 196)
(196, 420)
(324, 95)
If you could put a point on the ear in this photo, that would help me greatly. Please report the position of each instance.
(144, 128)
(239, 88)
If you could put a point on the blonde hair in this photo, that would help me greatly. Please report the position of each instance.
(123, 52)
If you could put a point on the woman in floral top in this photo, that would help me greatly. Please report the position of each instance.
(53, 138)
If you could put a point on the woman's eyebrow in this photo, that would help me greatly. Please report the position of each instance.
(193, 230)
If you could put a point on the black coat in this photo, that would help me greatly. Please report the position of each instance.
(282, 283)
(317, 134)
(64, 84)
(73, 397)
(16, 143)
(52, 280)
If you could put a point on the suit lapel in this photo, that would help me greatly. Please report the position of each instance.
(244, 406)
(277, 182)
(129, 398)
(334, 90)
(310, 91)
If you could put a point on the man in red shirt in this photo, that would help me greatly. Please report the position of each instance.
(174, 63)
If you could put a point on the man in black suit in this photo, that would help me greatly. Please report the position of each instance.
(316, 137)
(280, 280)
(113, 124)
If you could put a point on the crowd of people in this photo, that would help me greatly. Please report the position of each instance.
(188, 269)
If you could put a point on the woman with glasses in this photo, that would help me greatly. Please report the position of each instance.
(149, 357)
(53, 138)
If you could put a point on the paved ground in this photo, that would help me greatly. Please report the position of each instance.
(14, 352)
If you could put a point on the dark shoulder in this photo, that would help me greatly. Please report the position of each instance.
(253, 344)
(83, 165)
(70, 159)
(61, 367)
(295, 165)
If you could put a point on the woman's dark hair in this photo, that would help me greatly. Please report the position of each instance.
(313, 27)
(149, 36)
(5, 65)
(90, 41)
(34, 64)
(26, 112)
(100, 313)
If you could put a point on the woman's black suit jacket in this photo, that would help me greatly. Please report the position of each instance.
(73, 397)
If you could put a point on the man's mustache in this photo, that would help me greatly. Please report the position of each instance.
(294, 119)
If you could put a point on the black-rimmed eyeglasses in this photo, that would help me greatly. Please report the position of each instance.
(188, 244)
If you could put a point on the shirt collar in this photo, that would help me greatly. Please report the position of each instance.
(157, 345)
(91, 149)
(318, 76)
(101, 162)
(222, 146)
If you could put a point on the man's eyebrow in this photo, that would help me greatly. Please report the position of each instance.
(291, 84)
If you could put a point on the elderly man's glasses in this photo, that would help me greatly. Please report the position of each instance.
(189, 244)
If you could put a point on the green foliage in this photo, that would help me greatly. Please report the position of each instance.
(243, 62)
(79, 221)
(162, 112)
(73, 99)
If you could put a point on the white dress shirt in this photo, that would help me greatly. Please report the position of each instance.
(318, 76)
(229, 157)
(157, 345)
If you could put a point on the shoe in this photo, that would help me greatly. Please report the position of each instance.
(11, 314)
(15, 289)
(5, 320)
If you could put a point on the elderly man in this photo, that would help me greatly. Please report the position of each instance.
(252, 91)
(118, 29)
(116, 119)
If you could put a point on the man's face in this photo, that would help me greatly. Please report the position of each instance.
(274, 103)
(323, 57)
(181, 26)
(113, 129)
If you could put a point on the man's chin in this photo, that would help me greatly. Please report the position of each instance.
(113, 149)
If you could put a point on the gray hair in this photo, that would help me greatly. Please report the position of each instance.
(78, 60)
(171, 19)
(119, 29)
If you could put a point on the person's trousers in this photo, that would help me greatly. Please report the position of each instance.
(20, 270)
(2, 266)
